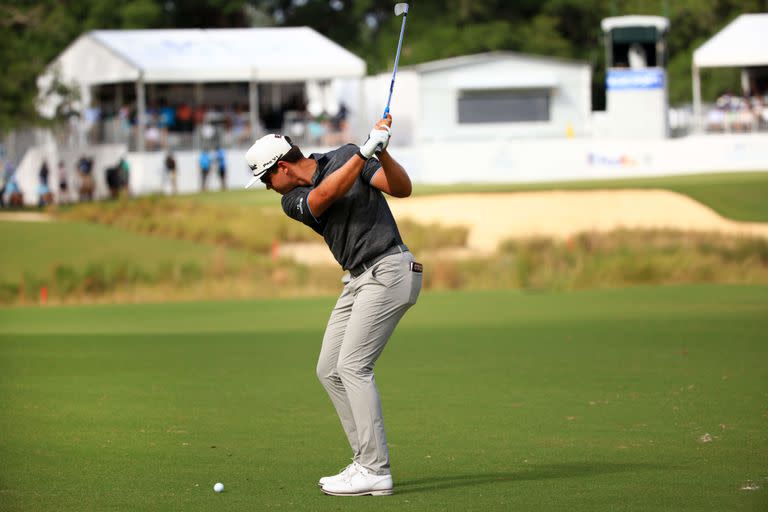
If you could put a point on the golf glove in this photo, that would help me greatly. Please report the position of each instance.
(377, 136)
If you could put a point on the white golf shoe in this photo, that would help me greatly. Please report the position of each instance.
(342, 474)
(360, 482)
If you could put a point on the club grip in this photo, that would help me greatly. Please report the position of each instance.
(379, 149)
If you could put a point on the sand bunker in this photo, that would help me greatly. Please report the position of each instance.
(494, 217)
(25, 217)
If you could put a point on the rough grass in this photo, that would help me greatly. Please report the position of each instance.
(615, 259)
(651, 398)
(35, 247)
(190, 272)
(248, 227)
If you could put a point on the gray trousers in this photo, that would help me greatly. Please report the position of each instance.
(364, 317)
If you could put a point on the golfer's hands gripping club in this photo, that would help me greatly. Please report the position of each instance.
(378, 140)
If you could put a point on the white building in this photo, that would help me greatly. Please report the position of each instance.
(489, 96)
(262, 70)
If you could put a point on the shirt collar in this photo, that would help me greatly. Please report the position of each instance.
(321, 159)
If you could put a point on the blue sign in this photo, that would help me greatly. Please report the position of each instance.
(624, 79)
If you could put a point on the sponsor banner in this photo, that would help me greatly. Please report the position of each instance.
(617, 159)
(627, 79)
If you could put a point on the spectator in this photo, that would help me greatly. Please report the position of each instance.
(170, 170)
(118, 177)
(214, 124)
(44, 195)
(15, 197)
(637, 57)
(208, 133)
(716, 120)
(5, 180)
(240, 130)
(125, 175)
(167, 116)
(113, 181)
(63, 184)
(337, 129)
(340, 119)
(152, 136)
(198, 115)
(221, 167)
(760, 108)
(205, 166)
(44, 172)
(125, 115)
(184, 117)
(85, 173)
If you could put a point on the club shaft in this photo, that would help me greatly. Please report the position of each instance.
(397, 61)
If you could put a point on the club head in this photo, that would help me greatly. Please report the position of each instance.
(401, 8)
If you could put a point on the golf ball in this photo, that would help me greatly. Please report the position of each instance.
(218, 487)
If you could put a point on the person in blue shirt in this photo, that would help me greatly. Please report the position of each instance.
(221, 167)
(205, 167)
(15, 197)
(44, 195)
(6, 178)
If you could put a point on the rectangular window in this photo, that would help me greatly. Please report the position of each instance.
(503, 105)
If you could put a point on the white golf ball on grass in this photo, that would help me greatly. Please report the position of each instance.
(218, 487)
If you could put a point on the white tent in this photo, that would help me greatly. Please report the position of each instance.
(742, 43)
(202, 56)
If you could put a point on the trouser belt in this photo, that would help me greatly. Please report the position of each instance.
(358, 270)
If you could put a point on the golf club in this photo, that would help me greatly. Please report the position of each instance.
(401, 8)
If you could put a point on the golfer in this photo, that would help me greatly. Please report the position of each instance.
(339, 195)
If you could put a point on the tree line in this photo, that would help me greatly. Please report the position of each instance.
(36, 32)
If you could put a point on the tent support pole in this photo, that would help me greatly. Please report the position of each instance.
(361, 111)
(85, 98)
(119, 101)
(141, 114)
(253, 108)
(697, 124)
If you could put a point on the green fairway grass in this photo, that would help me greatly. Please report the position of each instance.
(738, 196)
(35, 246)
(596, 400)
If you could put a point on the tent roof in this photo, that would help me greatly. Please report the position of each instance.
(207, 55)
(741, 43)
(481, 58)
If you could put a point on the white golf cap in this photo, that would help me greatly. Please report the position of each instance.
(265, 153)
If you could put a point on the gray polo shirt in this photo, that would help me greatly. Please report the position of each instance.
(358, 226)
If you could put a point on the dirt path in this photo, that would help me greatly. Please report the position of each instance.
(494, 217)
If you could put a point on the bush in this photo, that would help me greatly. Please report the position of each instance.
(95, 279)
(30, 286)
(66, 280)
(9, 293)
(626, 257)
(423, 238)
(190, 273)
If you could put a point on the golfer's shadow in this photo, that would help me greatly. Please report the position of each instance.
(538, 472)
